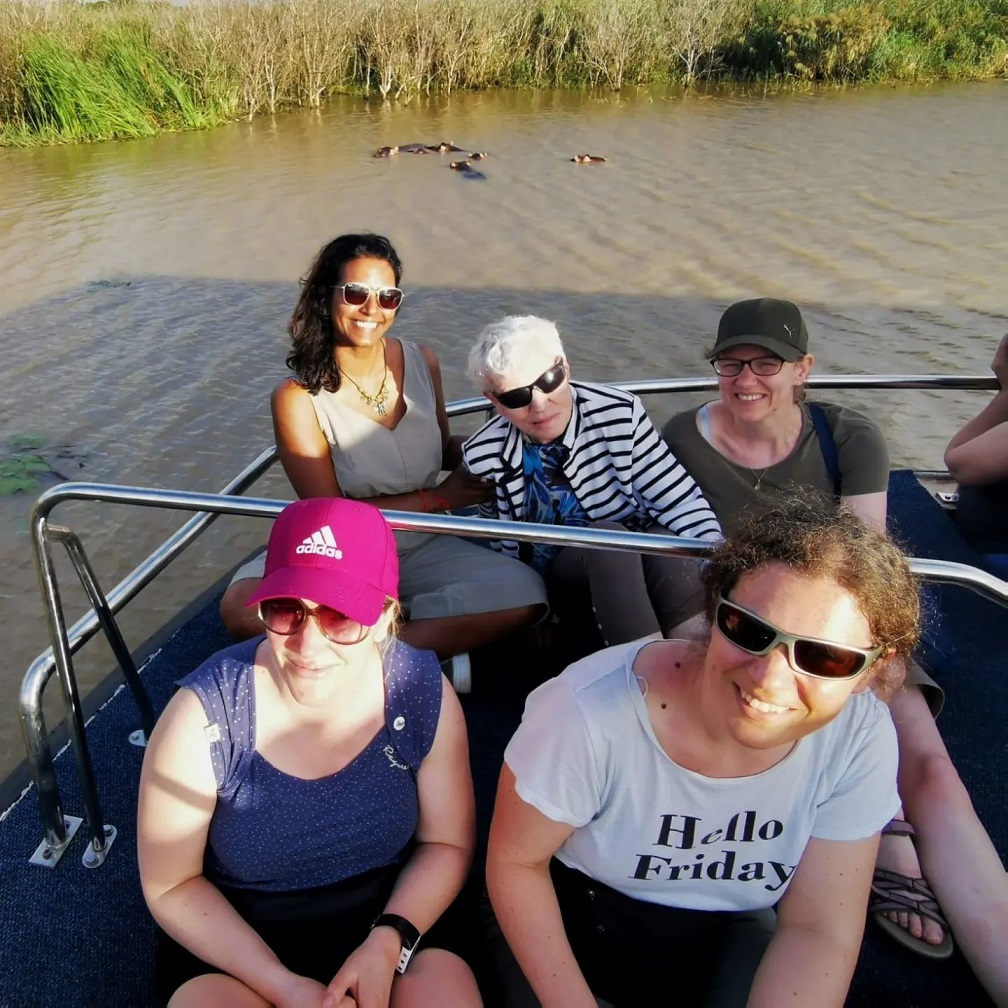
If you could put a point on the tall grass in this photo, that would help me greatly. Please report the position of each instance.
(846, 41)
(112, 82)
(105, 70)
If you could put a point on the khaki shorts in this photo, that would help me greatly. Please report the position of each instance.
(448, 576)
(933, 693)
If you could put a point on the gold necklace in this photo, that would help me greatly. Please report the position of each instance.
(759, 475)
(378, 401)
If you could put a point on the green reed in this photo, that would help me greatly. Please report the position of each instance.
(126, 69)
(110, 83)
(899, 40)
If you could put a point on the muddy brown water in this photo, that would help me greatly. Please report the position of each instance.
(147, 284)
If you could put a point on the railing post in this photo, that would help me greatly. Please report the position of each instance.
(57, 827)
(68, 682)
(99, 603)
(38, 755)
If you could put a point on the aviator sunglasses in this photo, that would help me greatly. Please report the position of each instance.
(356, 295)
(730, 367)
(548, 381)
(820, 659)
(286, 616)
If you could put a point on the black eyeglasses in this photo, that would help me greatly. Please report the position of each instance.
(547, 382)
(357, 294)
(731, 367)
(820, 659)
(286, 616)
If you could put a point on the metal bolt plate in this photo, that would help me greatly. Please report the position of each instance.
(48, 856)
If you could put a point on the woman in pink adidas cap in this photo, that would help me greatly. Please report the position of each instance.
(306, 806)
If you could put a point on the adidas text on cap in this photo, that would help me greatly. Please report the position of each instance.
(335, 552)
(770, 323)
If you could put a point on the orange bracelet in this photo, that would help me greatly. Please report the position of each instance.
(433, 503)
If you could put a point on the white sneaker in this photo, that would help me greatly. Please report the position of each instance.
(458, 669)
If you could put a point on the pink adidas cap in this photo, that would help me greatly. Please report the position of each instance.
(333, 551)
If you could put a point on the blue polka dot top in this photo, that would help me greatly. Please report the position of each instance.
(272, 832)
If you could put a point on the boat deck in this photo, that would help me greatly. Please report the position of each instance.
(82, 937)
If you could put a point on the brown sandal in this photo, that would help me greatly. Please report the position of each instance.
(894, 891)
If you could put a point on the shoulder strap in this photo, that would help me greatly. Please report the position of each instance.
(827, 444)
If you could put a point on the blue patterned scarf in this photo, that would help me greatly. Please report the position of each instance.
(549, 499)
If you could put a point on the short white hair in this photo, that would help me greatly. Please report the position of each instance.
(499, 343)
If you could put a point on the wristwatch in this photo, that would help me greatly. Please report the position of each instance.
(408, 935)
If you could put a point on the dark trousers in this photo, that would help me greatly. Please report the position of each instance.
(312, 931)
(628, 949)
(633, 595)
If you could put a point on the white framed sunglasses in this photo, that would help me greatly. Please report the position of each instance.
(357, 294)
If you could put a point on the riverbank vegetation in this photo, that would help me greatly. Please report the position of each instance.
(72, 71)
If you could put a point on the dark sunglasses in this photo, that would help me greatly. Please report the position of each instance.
(730, 367)
(820, 659)
(547, 382)
(286, 616)
(357, 294)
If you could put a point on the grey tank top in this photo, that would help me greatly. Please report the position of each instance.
(370, 460)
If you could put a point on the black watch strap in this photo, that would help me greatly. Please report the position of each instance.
(408, 935)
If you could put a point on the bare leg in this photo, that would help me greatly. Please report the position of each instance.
(452, 635)
(241, 621)
(213, 990)
(436, 978)
(898, 854)
(957, 856)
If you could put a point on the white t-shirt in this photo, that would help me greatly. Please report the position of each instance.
(585, 754)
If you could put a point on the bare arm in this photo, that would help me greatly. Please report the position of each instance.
(446, 832)
(305, 454)
(435, 872)
(177, 797)
(983, 459)
(871, 508)
(978, 454)
(820, 921)
(303, 448)
(522, 842)
(460, 489)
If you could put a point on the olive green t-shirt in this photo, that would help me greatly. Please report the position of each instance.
(730, 489)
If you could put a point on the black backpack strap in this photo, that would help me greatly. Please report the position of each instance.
(827, 445)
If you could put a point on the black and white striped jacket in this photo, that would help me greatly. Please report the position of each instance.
(618, 467)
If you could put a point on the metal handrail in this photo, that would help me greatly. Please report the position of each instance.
(65, 643)
(658, 386)
(30, 713)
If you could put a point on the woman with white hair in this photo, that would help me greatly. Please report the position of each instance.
(572, 453)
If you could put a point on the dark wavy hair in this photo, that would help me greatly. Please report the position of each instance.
(311, 329)
(815, 537)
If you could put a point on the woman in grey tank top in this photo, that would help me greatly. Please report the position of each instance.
(364, 417)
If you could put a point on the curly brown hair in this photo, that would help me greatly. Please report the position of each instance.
(817, 538)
